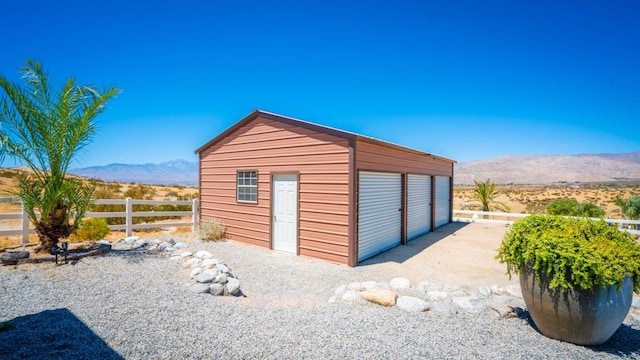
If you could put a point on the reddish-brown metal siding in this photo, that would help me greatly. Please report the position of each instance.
(375, 157)
(321, 161)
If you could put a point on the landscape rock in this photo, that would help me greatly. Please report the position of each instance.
(195, 272)
(221, 278)
(443, 308)
(505, 311)
(103, 242)
(210, 263)
(191, 263)
(426, 286)
(180, 245)
(232, 286)
(380, 296)
(353, 297)
(369, 284)
(216, 289)
(355, 286)
(131, 239)
(412, 304)
(11, 258)
(175, 257)
(222, 268)
(205, 277)
(635, 302)
(203, 255)
(469, 304)
(163, 246)
(199, 288)
(400, 283)
(436, 295)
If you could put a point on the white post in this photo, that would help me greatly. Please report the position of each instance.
(25, 226)
(129, 216)
(194, 214)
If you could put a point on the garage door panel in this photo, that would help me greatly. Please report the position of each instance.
(418, 205)
(443, 203)
(379, 218)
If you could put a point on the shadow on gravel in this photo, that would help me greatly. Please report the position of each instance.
(52, 334)
(402, 253)
(624, 342)
(134, 256)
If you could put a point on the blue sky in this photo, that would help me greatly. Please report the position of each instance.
(466, 80)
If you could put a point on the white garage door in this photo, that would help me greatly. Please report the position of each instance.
(443, 192)
(418, 205)
(379, 213)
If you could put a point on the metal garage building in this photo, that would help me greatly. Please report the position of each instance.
(311, 190)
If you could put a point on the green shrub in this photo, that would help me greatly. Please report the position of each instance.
(571, 207)
(572, 252)
(210, 230)
(92, 229)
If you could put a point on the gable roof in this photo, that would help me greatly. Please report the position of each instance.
(316, 127)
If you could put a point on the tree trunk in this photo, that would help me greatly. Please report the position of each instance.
(47, 241)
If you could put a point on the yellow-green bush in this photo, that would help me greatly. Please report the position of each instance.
(92, 229)
(210, 230)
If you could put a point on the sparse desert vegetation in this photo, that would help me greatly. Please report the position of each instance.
(535, 199)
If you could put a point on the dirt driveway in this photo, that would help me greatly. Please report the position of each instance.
(458, 253)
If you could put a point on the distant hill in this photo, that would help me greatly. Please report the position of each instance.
(551, 169)
(176, 172)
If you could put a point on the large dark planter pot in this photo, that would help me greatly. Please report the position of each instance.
(578, 316)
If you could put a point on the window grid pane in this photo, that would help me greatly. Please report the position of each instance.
(247, 186)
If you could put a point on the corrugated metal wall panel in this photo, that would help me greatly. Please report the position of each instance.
(443, 203)
(379, 215)
(378, 158)
(418, 205)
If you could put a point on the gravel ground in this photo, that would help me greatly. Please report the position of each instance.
(135, 305)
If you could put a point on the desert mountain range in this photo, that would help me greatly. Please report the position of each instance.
(510, 169)
(551, 169)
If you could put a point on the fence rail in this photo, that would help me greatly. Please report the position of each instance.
(26, 229)
(509, 218)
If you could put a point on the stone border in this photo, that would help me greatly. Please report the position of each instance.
(102, 249)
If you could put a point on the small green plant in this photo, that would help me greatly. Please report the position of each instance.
(210, 230)
(571, 252)
(92, 229)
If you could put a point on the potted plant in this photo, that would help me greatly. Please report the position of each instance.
(577, 275)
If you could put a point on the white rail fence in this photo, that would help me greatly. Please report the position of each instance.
(632, 226)
(25, 226)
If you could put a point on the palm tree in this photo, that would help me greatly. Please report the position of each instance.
(630, 207)
(485, 194)
(45, 128)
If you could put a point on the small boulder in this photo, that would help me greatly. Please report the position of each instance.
(379, 296)
(195, 272)
(180, 245)
(426, 286)
(443, 308)
(199, 288)
(367, 285)
(469, 304)
(353, 297)
(400, 283)
(203, 255)
(437, 295)
(222, 268)
(210, 263)
(205, 277)
(412, 304)
(232, 286)
(131, 239)
(191, 263)
(217, 289)
(11, 258)
(514, 290)
(221, 278)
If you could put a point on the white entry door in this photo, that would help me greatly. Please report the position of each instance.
(285, 213)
